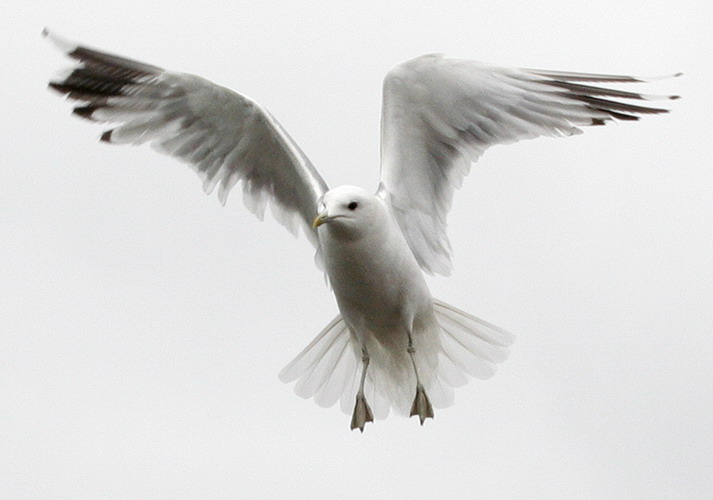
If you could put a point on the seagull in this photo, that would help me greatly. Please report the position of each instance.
(392, 345)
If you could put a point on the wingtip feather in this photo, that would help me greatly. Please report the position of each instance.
(661, 77)
(61, 43)
(85, 112)
(106, 136)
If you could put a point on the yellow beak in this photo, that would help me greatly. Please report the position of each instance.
(319, 220)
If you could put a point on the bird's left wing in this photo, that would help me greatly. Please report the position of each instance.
(440, 114)
(224, 136)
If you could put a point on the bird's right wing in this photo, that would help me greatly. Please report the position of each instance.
(224, 136)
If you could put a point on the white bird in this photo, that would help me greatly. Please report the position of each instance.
(392, 345)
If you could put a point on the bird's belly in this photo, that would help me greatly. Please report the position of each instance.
(377, 296)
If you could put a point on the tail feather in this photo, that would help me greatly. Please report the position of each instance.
(323, 368)
(329, 368)
(477, 327)
(449, 372)
(341, 378)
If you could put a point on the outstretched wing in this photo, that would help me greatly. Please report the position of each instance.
(224, 136)
(441, 114)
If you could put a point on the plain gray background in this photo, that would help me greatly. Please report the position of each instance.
(142, 325)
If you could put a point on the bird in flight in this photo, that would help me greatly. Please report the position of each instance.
(392, 345)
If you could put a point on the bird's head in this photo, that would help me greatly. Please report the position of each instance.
(349, 211)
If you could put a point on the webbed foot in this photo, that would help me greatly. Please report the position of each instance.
(421, 405)
(362, 413)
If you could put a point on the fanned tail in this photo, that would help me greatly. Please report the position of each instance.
(328, 369)
(325, 370)
(469, 345)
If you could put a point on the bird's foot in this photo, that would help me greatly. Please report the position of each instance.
(362, 413)
(421, 405)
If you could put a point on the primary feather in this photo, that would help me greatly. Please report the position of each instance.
(440, 114)
(224, 136)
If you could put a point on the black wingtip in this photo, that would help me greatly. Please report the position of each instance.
(106, 136)
(58, 87)
(85, 111)
(625, 116)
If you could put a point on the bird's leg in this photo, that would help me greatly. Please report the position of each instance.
(362, 413)
(421, 405)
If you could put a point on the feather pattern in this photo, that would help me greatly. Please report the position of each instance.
(224, 136)
(441, 114)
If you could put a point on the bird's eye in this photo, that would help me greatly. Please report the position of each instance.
(353, 205)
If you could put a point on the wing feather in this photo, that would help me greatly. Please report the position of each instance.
(224, 136)
(439, 115)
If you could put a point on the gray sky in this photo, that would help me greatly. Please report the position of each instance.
(142, 325)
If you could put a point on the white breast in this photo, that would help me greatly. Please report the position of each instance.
(378, 284)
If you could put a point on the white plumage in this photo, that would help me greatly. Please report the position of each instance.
(392, 345)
